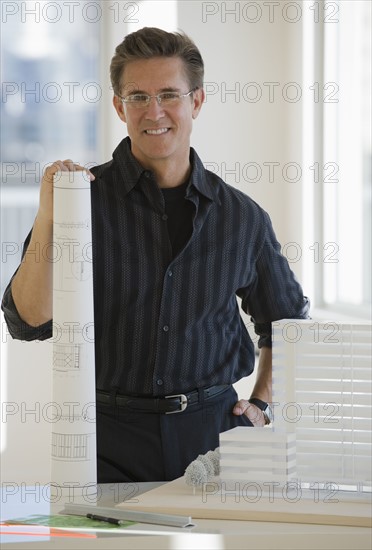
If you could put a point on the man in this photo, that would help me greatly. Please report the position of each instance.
(173, 246)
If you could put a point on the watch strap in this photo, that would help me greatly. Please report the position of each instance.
(259, 403)
(264, 407)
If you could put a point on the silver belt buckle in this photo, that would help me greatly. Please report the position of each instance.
(183, 402)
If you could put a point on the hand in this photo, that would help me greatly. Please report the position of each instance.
(253, 413)
(45, 212)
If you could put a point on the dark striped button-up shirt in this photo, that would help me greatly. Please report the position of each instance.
(167, 324)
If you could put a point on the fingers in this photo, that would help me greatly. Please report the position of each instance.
(241, 407)
(58, 166)
(72, 166)
(253, 413)
(67, 165)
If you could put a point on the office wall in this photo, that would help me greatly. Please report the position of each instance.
(247, 124)
(237, 136)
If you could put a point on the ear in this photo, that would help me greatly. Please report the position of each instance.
(119, 108)
(198, 100)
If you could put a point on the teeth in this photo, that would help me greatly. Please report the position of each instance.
(157, 132)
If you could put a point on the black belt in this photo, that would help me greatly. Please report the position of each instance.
(166, 404)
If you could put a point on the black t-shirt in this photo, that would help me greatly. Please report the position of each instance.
(180, 212)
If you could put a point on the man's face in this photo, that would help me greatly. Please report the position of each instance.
(172, 123)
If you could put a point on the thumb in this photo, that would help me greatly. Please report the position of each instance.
(240, 407)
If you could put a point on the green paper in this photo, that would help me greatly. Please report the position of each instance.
(59, 521)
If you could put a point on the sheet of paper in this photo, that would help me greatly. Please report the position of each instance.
(73, 404)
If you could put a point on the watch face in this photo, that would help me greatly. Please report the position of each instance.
(269, 413)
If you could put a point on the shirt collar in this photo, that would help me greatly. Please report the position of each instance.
(200, 180)
(129, 167)
(132, 171)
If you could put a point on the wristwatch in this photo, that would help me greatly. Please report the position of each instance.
(264, 407)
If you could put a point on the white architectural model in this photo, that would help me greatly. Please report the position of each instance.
(257, 455)
(322, 400)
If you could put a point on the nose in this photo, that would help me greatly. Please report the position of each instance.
(154, 111)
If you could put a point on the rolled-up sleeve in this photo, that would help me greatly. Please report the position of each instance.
(18, 329)
(275, 294)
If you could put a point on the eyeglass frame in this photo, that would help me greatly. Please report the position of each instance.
(157, 97)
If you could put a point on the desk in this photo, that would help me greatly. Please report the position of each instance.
(21, 501)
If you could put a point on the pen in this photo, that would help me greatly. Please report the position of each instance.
(117, 515)
(106, 519)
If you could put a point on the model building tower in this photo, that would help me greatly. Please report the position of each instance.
(322, 401)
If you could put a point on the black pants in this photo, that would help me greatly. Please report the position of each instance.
(135, 446)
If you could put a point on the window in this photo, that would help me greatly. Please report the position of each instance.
(347, 139)
(50, 104)
(337, 54)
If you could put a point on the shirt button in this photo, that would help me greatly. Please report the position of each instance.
(170, 273)
(147, 174)
(159, 382)
(165, 328)
(164, 217)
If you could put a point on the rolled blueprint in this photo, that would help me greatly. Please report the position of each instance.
(74, 461)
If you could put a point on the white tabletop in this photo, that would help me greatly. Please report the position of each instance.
(21, 501)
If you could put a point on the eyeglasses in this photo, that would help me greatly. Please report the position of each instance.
(140, 101)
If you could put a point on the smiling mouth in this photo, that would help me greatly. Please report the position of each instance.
(157, 132)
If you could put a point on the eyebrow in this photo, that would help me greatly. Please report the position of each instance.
(169, 89)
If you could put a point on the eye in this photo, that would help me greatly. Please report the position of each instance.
(138, 98)
(169, 96)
